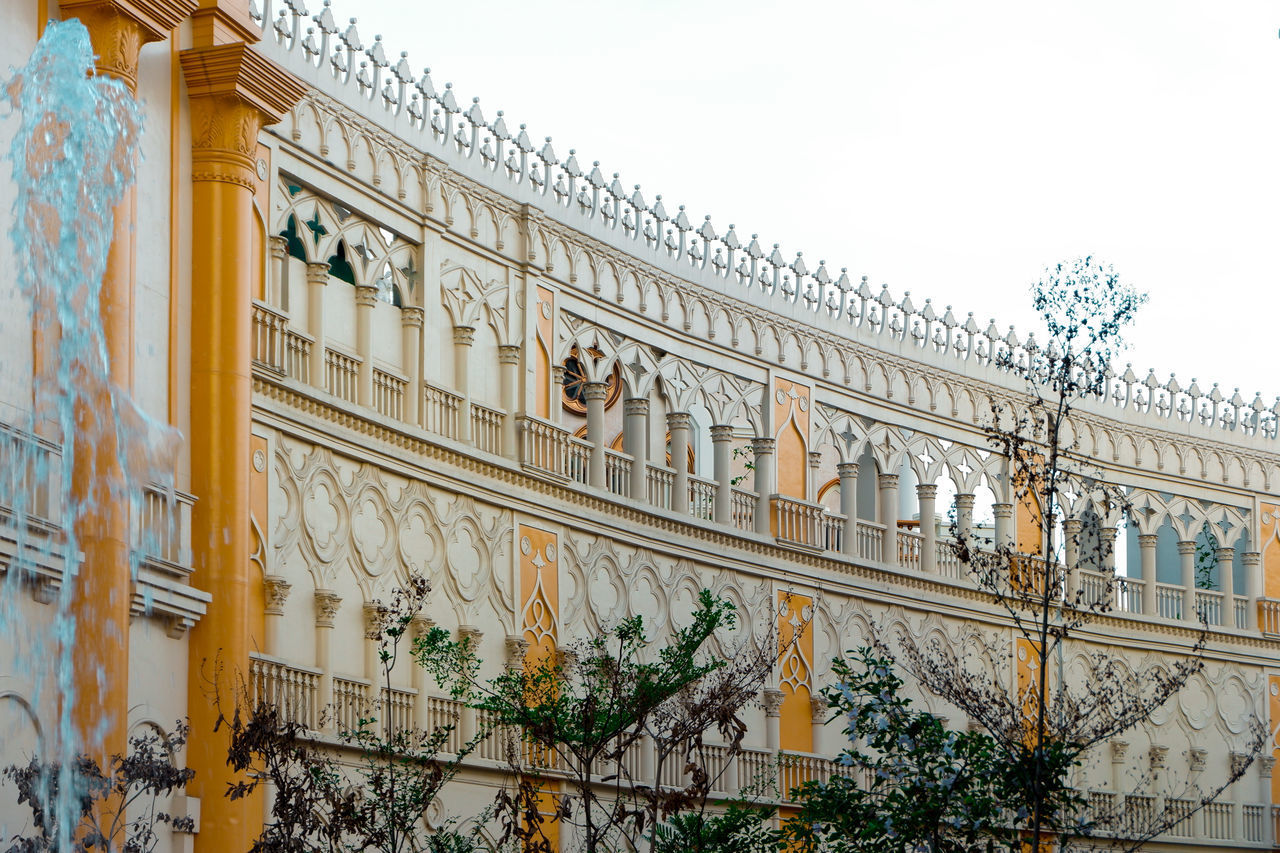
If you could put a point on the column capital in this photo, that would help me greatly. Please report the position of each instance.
(517, 648)
(1226, 554)
(596, 391)
(119, 28)
(234, 91)
(508, 353)
(366, 295)
(412, 316)
(277, 590)
(847, 470)
(965, 501)
(278, 246)
(772, 698)
(420, 625)
(1072, 526)
(679, 420)
(318, 273)
(1156, 756)
(1251, 558)
(375, 615)
(1119, 748)
(888, 481)
(927, 491)
(819, 709)
(472, 634)
(1240, 762)
(763, 446)
(722, 432)
(464, 335)
(1266, 764)
(557, 374)
(327, 604)
(635, 406)
(1197, 758)
(815, 459)
(1147, 540)
(1187, 547)
(1106, 534)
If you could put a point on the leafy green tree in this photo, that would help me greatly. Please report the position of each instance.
(584, 711)
(903, 782)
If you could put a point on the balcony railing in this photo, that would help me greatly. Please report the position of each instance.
(350, 702)
(702, 497)
(395, 711)
(660, 482)
(910, 545)
(1129, 594)
(269, 331)
(1169, 599)
(29, 467)
(486, 428)
(162, 525)
(294, 690)
(388, 394)
(297, 355)
(742, 509)
(1240, 611)
(617, 472)
(949, 565)
(798, 522)
(440, 410)
(342, 374)
(870, 540)
(1217, 820)
(1209, 605)
(577, 460)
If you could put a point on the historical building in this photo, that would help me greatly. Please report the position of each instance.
(399, 335)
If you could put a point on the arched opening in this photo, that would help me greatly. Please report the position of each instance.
(868, 487)
(339, 267)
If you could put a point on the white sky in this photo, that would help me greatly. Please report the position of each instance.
(949, 149)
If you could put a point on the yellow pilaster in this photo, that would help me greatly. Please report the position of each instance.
(233, 92)
(102, 594)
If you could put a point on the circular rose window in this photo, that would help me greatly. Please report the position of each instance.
(574, 395)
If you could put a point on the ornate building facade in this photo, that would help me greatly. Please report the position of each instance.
(399, 336)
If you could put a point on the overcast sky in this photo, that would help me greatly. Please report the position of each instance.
(949, 149)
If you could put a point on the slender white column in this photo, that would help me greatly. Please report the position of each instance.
(463, 337)
(327, 603)
(596, 393)
(411, 318)
(927, 494)
(555, 412)
(1071, 528)
(467, 720)
(317, 281)
(762, 450)
(848, 472)
(509, 365)
(678, 424)
(366, 299)
(635, 441)
(964, 515)
(1227, 583)
(811, 489)
(1107, 536)
(1187, 553)
(1004, 524)
(773, 718)
(889, 517)
(820, 710)
(277, 591)
(1252, 561)
(277, 293)
(1147, 550)
(418, 629)
(721, 438)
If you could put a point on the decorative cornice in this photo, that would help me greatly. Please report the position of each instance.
(119, 28)
(233, 93)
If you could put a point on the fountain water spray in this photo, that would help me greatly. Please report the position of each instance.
(73, 158)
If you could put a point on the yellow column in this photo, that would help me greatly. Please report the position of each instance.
(103, 592)
(233, 92)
